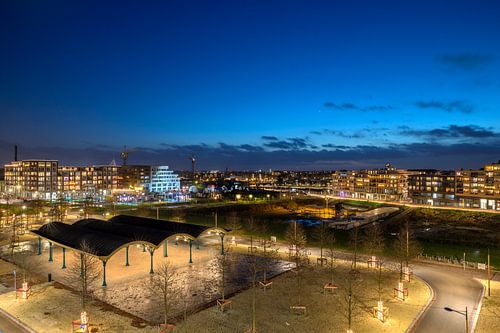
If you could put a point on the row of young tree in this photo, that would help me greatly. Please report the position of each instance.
(369, 240)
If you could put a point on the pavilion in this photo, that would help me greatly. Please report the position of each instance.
(107, 237)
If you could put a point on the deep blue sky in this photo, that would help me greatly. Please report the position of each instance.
(252, 84)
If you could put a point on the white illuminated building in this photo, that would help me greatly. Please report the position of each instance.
(163, 180)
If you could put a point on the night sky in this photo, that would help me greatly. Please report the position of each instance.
(252, 84)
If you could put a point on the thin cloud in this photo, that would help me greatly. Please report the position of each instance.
(342, 134)
(465, 61)
(355, 107)
(452, 131)
(453, 106)
(269, 138)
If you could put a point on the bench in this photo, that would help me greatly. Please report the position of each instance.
(252, 249)
(400, 294)
(321, 261)
(329, 287)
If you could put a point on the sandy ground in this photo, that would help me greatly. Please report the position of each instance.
(489, 318)
(51, 309)
(325, 312)
(127, 286)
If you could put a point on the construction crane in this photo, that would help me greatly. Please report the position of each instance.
(193, 162)
(125, 153)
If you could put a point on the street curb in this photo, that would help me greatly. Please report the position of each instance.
(17, 321)
(426, 307)
(479, 306)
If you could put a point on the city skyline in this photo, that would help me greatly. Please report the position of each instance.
(250, 85)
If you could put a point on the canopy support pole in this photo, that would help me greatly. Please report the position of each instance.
(50, 252)
(126, 256)
(151, 252)
(222, 243)
(81, 264)
(165, 248)
(64, 258)
(104, 284)
(190, 251)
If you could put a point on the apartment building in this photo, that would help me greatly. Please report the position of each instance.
(32, 179)
(386, 184)
(45, 179)
(432, 187)
(479, 188)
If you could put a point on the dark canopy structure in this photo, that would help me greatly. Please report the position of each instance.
(105, 238)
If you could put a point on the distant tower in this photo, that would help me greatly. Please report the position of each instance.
(193, 162)
(15, 153)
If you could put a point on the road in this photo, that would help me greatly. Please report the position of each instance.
(452, 288)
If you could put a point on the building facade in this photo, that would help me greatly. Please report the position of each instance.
(432, 187)
(387, 184)
(479, 188)
(163, 180)
(32, 179)
(45, 179)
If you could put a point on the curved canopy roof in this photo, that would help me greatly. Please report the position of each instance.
(106, 237)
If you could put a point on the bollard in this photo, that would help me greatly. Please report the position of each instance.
(49, 277)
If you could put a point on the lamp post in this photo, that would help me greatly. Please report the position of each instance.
(15, 282)
(489, 275)
(463, 314)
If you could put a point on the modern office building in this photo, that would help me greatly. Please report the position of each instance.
(163, 180)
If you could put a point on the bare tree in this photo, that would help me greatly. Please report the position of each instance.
(269, 255)
(221, 267)
(87, 204)
(320, 235)
(379, 280)
(330, 243)
(350, 303)
(163, 287)
(252, 228)
(233, 222)
(373, 240)
(84, 271)
(24, 260)
(57, 211)
(354, 240)
(297, 241)
(405, 247)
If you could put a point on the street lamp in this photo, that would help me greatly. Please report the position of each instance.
(463, 314)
